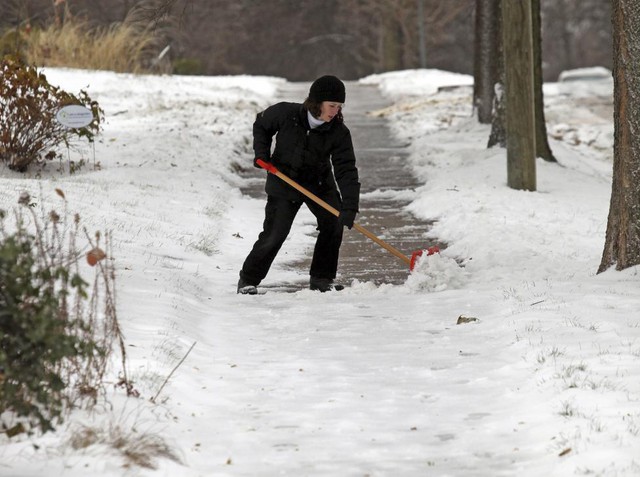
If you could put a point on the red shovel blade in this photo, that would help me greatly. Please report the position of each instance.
(418, 253)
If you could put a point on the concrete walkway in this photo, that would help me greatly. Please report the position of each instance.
(382, 165)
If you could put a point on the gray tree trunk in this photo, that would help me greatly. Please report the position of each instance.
(487, 52)
(622, 242)
(519, 93)
(543, 149)
(498, 135)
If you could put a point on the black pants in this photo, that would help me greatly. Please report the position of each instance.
(279, 215)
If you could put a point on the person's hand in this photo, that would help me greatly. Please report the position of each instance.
(346, 218)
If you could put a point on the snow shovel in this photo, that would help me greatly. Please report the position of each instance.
(409, 261)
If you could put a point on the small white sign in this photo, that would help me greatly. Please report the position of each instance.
(74, 116)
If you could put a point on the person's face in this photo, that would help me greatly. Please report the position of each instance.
(328, 109)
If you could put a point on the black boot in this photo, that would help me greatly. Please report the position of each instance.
(245, 288)
(324, 285)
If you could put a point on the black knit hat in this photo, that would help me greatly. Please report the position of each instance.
(327, 88)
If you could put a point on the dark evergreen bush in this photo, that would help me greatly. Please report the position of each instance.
(56, 331)
(34, 331)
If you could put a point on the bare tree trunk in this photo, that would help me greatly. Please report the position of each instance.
(487, 51)
(519, 86)
(622, 242)
(498, 135)
(393, 57)
(422, 46)
(567, 40)
(543, 149)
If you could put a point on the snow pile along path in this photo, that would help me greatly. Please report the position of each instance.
(542, 376)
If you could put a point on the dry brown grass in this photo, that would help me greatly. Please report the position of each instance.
(137, 449)
(124, 47)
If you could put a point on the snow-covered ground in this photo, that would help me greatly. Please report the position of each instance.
(377, 381)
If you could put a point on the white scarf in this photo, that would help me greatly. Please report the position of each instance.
(313, 122)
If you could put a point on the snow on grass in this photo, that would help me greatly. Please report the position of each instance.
(376, 380)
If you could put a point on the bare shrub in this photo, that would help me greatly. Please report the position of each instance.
(29, 130)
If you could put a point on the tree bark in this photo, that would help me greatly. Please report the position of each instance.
(622, 242)
(498, 135)
(519, 92)
(487, 52)
(543, 149)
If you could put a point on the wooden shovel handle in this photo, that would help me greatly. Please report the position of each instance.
(273, 170)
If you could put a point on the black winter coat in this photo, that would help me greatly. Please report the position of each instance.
(306, 155)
